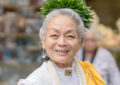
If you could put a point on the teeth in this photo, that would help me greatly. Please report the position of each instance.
(62, 52)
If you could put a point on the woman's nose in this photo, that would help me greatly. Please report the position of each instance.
(62, 42)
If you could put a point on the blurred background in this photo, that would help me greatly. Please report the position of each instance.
(20, 47)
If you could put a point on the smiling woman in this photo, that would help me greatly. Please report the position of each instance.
(62, 40)
(61, 36)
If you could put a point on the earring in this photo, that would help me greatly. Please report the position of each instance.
(43, 54)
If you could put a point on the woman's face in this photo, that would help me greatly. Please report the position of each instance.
(90, 42)
(62, 40)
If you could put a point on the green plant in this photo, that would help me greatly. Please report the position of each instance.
(78, 6)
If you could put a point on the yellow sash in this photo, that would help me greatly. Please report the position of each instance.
(91, 74)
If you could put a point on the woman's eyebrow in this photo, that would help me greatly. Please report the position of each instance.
(54, 29)
(70, 31)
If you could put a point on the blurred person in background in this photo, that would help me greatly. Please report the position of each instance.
(100, 57)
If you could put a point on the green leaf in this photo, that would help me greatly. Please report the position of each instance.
(78, 6)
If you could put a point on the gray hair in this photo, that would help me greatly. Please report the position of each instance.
(64, 11)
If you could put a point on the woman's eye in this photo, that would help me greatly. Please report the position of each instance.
(54, 36)
(71, 36)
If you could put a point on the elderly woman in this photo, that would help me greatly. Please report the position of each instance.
(100, 57)
(61, 36)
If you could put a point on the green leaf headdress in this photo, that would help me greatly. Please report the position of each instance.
(78, 6)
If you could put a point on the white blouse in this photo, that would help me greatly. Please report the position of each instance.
(41, 76)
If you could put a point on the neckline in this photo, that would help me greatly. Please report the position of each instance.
(55, 77)
(66, 68)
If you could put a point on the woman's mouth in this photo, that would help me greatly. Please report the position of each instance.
(62, 52)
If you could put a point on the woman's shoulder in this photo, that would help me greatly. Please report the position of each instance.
(104, 51)
(36, 77)
(39, 72)
(104, 55)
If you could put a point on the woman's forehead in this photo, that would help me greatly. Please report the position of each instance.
(62, 22)
(89, 35)
(67, 30)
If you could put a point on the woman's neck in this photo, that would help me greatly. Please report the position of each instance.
(62, 65)
(89, 55)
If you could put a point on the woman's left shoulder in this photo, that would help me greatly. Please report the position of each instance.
(37, 77)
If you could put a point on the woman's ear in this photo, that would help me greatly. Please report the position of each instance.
(43, 45)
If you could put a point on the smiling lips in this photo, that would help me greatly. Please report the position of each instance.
(62, 52)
